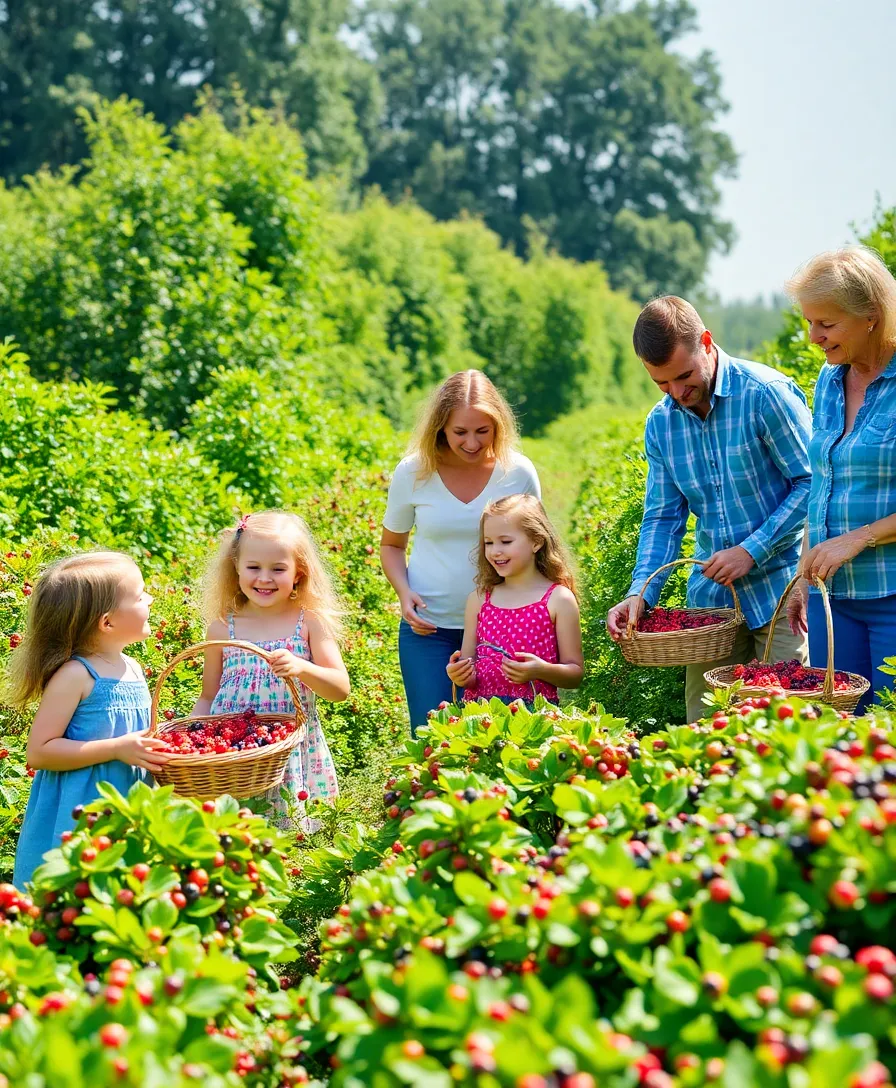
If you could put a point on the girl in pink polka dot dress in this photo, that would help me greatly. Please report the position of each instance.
(522, 635)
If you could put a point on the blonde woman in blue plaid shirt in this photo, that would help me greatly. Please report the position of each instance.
(729, 444)
(848, 296)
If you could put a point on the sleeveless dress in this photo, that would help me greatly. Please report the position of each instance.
(530, 630)
(112, 709)
(248, 683)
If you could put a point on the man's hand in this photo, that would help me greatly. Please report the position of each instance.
(826, 558)
(618, 616)
(727, 566)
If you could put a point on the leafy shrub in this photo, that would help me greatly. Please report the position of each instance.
(720, 895)
(277, 444)
(69, 461)
(138, 278)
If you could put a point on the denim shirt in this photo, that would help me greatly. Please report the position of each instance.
(744, 473)
(854, 477)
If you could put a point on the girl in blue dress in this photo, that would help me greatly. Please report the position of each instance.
(92, 722)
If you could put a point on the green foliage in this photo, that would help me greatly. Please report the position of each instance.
(138, 277)
(549, 878)
(69, 461)
(56, 54)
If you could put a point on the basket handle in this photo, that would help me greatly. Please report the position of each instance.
(828, 688)
(490, 646)
(201, 647)
(738, 615)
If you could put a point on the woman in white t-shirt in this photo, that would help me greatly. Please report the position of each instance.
(463, 454)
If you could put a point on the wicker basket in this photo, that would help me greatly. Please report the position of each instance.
(242, 773)
(689, 647)
(846, 699)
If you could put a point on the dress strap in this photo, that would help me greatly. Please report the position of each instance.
(488, 597)
(87, 666)
(548, 592)
(299, 623)
(230, 631)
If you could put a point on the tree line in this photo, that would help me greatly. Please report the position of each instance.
(584, 123)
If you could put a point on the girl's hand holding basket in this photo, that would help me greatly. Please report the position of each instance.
(142, 750)
(461, 671)
(285, 663)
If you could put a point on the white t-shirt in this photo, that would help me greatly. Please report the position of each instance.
(442, 565)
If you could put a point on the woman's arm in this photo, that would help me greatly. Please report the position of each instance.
(567, 673)
(49, 750)
(827, 557)
(325, 674)
(393, 556)
(212, 668)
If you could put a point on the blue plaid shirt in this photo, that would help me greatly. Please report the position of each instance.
(854, 477)
(744, 473)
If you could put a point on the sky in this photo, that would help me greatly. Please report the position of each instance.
(812, 89)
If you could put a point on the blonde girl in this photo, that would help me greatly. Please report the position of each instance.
(268, 586)
(92, 721)
(522, 635)
(463, 455)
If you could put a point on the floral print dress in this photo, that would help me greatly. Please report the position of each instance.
(248, 683)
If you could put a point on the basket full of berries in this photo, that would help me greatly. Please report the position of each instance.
(680, 636)
(242, 754)
(841, 690)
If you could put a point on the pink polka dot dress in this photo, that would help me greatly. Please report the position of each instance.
(528, 629)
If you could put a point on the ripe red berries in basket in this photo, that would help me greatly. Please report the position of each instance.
(676, 619)
(238, 733)
(790, 675)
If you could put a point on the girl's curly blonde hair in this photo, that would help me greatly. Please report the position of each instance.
(552, 558)
(221, 594)
(466, 389)
(70, 598)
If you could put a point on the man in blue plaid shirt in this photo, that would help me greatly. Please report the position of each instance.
(729, 444)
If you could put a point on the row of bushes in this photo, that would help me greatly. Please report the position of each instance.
(166, 258)
(550, 901)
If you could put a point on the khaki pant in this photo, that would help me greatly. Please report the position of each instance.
(747, 645)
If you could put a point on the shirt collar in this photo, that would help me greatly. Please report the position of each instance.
(722, 386)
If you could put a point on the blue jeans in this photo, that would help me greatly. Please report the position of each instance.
(423, 659)
(864, 634)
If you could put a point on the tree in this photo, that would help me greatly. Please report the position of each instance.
(584, 120)
(57, 54)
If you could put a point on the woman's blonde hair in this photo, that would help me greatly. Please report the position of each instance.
(466, 389)
(856, 280)
(70, 598)
(222, 595)
(552, 559)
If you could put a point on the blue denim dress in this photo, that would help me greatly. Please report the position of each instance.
(113, 708)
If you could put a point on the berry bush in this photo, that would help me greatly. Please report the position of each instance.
(552, 901)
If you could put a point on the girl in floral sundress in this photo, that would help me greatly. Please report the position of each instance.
(522, 635)
(268, 586)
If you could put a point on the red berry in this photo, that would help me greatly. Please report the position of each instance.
(678, 922)
(113, 1034)
(878, 987)
(719, 890)
(843, 894)
(140, 871)
(497, 908)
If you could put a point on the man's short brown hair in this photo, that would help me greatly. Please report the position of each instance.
(662, 325)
